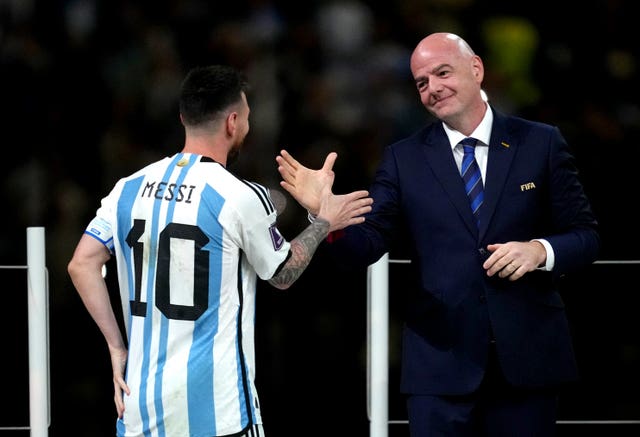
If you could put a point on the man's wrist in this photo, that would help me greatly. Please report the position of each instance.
(549, 261)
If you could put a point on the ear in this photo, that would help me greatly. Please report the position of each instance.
(231, 123)
(478, 68)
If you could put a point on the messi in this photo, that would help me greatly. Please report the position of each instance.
(168, 191)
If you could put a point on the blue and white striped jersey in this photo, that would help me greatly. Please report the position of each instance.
(190, 240)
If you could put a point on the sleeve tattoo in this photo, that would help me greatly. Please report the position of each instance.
(302, 249)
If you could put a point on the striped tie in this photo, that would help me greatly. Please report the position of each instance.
(472, 177)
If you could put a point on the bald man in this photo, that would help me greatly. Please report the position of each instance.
(495, 214)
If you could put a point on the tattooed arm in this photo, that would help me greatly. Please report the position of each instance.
(302, 249)
(336, 212)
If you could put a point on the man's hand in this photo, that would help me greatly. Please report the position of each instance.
(304, 184)
(515, 258)
(336, 212)
(118, 364)
(345, 209)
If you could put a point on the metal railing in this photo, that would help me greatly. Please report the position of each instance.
(38, 323)
(378, 350)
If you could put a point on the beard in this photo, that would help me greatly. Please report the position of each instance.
(234, 152)
(232, 156)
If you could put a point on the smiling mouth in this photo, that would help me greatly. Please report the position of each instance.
(436, 101)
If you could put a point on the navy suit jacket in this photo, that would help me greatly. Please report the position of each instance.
(454, 309)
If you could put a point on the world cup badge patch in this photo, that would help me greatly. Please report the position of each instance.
(276, 238)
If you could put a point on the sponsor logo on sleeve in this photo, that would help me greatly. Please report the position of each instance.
(276, 238)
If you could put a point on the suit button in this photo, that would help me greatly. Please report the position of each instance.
(482, 298)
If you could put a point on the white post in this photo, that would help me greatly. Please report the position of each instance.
(38, 333)
(378, 345)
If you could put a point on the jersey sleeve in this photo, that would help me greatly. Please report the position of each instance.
(263, 244)
(101, 226)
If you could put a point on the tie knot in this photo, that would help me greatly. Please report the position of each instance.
(469, 144)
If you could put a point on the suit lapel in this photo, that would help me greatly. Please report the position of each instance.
(440, 159)
(502, 150)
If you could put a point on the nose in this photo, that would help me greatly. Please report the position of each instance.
(435, 85)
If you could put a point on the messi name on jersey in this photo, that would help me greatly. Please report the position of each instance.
(168, 191)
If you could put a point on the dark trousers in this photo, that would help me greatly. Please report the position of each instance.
(496, 409)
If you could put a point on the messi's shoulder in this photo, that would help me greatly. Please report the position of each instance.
(243, 193)
(257, 192)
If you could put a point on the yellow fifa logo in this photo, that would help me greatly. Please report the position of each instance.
(528, 186)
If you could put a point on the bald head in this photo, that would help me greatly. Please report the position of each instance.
(448, 75)
(441, 42)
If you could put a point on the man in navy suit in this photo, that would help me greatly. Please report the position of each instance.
(486, 342)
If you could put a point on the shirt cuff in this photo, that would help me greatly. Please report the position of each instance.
(551, 260)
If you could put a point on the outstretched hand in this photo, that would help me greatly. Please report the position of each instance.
(304, 184)
(342, 210)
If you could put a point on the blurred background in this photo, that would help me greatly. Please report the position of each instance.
(88, 94)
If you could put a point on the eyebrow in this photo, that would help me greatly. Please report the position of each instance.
(433, 71)
(440, 67)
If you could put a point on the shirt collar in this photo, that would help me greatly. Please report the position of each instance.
(482, 133)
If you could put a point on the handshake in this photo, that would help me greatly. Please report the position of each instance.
(312, 189)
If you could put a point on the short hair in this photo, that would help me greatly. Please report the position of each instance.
(207, 91)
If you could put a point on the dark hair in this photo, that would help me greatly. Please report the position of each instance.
(209, 90)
